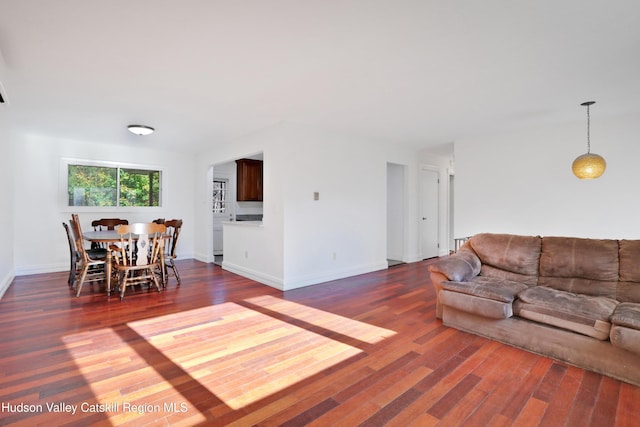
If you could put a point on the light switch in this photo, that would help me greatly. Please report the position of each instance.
(316, 195)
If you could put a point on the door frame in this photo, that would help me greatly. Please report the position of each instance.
(217, 220)
(450, 219)
(436, 169)
(397, 183)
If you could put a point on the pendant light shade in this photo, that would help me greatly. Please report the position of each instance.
(589, 165)
(140, 129)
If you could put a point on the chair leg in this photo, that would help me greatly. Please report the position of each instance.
(155, 280)
(83, 275)
(72, 273)
(123, 285)
(72, 279)
(175, 271)
(165, 274)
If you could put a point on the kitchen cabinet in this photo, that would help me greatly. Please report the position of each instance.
(249, 180)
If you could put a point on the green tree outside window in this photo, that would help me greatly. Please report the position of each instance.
(139, 187)
(98, 186)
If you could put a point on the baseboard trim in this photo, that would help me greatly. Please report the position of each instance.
(258, 276)
(412, 258)
(303, 281)
(64, 266)
(203, 258)
(6, 282)
(315, 279)
(40, 269)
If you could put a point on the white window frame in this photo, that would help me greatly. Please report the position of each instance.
(64, 184)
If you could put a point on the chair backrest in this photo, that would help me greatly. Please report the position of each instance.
(158, 221)
(142, 239)
(173, 230)
(76, 232)
(108, 223)
(72, 244)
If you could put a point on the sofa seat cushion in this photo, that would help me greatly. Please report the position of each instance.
(483, 307)
(627, 314)
(584, 314)
(487, 287)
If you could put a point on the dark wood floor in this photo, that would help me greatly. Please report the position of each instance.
(223, 350)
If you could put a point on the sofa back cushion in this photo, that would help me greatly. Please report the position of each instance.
(507, 256)
(582, 266)
(629, 286)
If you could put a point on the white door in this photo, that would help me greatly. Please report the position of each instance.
(429, 183)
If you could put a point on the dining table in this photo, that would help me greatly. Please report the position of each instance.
(112, 236)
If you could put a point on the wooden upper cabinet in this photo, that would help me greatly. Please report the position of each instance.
(249, 178)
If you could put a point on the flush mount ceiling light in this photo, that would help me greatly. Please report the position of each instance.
(140, 129)
(589, 165)
(3, 94)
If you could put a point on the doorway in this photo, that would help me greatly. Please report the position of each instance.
(220, 213)
(222, 203)
(429, 211)
(451, 211)
(395, 213)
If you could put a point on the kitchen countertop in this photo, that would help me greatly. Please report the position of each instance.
(244, 223)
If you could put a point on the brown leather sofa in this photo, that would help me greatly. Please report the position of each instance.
(571, 299)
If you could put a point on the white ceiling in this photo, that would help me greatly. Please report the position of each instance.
(423, 72)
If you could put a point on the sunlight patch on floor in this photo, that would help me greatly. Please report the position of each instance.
(212, 358)
(124, 387)
(324, 319)
(239, 354)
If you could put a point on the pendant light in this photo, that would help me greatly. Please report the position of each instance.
(589, 165)
(140, 129)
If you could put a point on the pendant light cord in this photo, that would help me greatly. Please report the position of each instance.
(588, 131)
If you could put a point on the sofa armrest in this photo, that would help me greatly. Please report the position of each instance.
(459, 267)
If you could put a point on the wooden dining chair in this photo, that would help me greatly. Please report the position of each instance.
(90, 269)
(73, 256)
(138, 258)
(108, 223)
(170, 243)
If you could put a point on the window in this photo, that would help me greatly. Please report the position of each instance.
(92, 186)
(220, 195)
(139, 187)
(112, 186)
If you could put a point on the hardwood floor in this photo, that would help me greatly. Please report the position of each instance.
(223, 350)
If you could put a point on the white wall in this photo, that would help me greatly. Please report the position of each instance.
(39, 212)
(344, 232)
(522, 183)
(7, 178)
(303, 241)
(7, 174)
(266, 241)
(299, 237)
